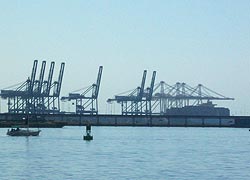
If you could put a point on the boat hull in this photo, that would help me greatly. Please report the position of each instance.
(23, 133)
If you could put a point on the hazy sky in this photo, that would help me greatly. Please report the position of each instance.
(190, 41)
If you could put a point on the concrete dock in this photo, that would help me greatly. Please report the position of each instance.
(54, 120)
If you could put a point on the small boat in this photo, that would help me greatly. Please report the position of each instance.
(22, 132)
(17, 131)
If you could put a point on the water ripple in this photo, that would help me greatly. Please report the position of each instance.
(127, 153)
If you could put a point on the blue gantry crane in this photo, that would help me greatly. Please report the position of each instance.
(86, 99)
(181, 95)
(149, 94)
(35, 96)
(137, 101)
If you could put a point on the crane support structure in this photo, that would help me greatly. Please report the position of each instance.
(48, 83)
(33, 76)
(86, 102)
(138, 101)
(40, 94)
(41, 77)
(182, 95)
(149, 93)
(98, 82)
(34, 96)
(59, 82)
(142, 85)
(162, 98)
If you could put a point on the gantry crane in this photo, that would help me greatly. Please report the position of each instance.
(35, 96)
(138, 101)
(87, 101)
(182, 95)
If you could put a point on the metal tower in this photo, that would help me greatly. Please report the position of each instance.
(138, 101)
(34, 96)
(181, 95)
(87, 101)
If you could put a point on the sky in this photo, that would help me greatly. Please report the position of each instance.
(191, 41)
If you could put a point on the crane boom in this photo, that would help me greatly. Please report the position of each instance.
(152, 85)
(41, 76)
(98, 82)
(33, 76)
(142, 84)
(51, 71)
(60, 77)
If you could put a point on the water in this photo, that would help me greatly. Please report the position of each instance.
(127, 153)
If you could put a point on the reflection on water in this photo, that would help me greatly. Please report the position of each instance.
(27, 143)
(127, 153)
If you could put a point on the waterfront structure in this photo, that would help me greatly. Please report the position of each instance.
(40, 96)
(36, 95)
(86, 102)
(137, 101)
(182, 99)
(177, 99)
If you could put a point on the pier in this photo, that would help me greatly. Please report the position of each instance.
(159, 104)
(60, 120)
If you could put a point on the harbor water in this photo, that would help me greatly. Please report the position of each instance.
(127, 153)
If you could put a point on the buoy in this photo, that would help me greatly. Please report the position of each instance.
(88, 136)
